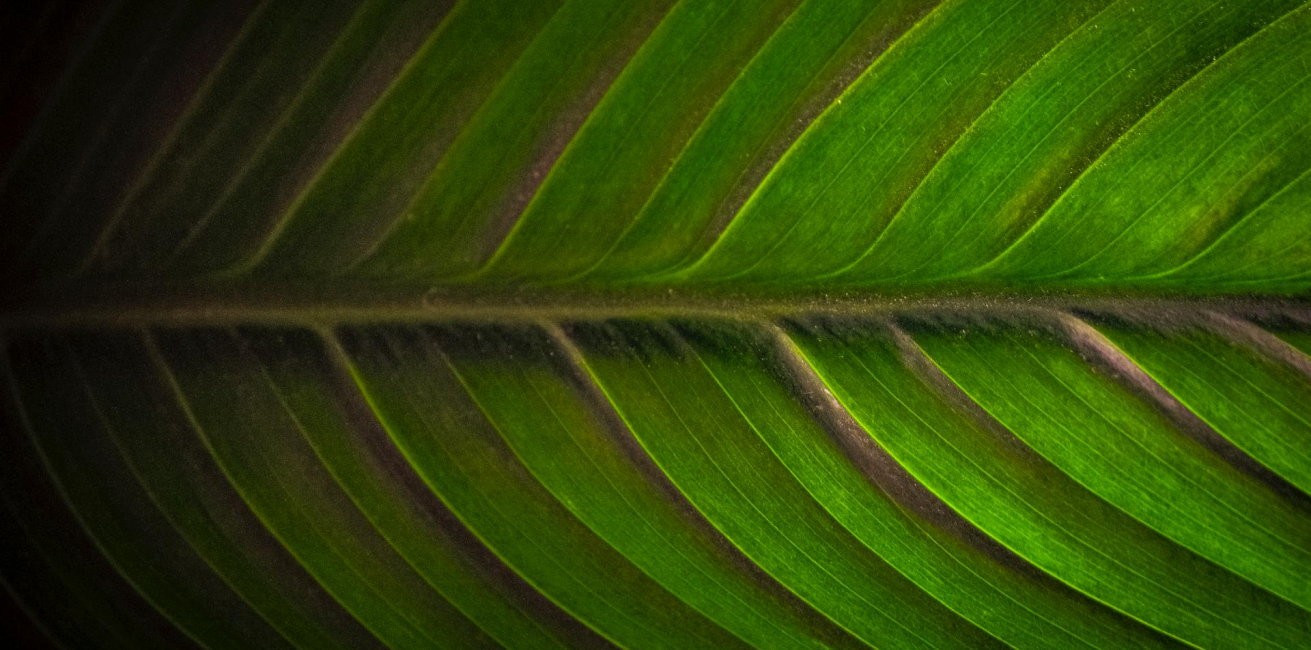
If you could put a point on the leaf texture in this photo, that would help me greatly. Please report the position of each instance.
(821, 482)
(924, 146)
(656, 324)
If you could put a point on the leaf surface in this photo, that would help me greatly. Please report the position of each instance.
(655, 324)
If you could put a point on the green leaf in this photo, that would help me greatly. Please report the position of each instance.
(1031, 505)
(655, 324)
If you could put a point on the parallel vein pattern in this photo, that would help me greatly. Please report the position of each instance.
(922, 145)
(926, 481)
(580, 323)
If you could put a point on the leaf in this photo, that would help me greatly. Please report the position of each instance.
(701, 324)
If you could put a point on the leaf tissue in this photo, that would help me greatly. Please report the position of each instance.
(656, 324)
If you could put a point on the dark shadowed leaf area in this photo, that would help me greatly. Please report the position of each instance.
(782, 324)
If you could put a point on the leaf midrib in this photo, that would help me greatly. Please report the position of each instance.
(128, 304)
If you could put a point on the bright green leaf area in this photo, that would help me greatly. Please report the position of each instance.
(712, 453)
(1223, 206)
(618, 156)
(885, 131)
(1261, 405)
(537, 406)
(1119, 447)
(1023, 610)
(1028, 504)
